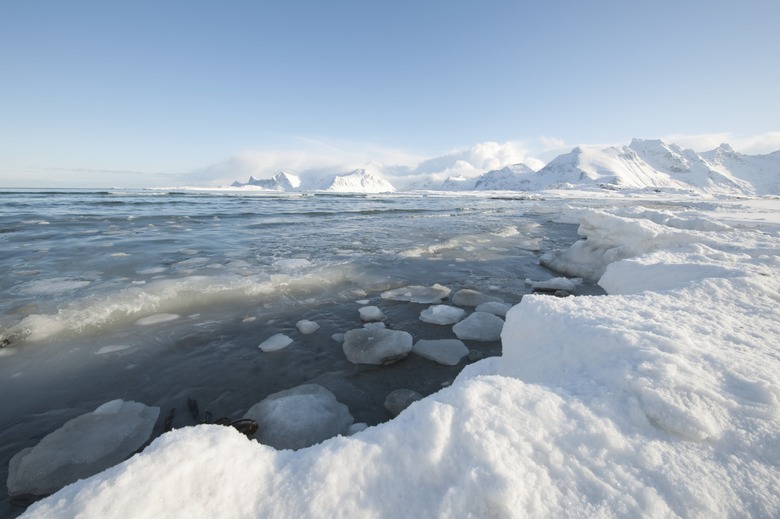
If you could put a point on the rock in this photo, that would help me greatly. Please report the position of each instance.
(376, 345)
(82, 447)
(370, 314)
(299, 417)
(275, 342)
(468, 297)
(442, 314)
(479, 326)
(400, 399)
(418, 294)
(444, 351)
(306, 327)
(499, 309)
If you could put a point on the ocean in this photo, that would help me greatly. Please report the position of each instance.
(162, 297)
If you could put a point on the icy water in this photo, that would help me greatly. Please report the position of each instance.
(162, 297)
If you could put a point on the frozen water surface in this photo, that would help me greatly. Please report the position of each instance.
(160, 298)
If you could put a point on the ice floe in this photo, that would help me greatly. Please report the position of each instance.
(479, 326)
(376, 345)
(442, 314)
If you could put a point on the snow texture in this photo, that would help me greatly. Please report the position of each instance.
(299, 417)
(660, 399)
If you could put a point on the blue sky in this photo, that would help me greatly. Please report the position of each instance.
(141, 93)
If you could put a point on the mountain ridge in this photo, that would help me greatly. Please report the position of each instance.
(643, 164)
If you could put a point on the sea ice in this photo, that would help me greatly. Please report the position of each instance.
(299, 417)
(499, 309)
(306, 327)
(376, 345)
(442, 314)
(443, 351)
(400, 399)
(479, 326)
(468, 297)
(82, 447)
(418, 294)
(371, 313)
(156, 319)
(568, 284)
(275, 342)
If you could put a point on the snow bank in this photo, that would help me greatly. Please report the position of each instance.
(659, 400)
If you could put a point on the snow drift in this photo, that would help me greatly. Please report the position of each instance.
(661, 399)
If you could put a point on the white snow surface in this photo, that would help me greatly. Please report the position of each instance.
(661, 399)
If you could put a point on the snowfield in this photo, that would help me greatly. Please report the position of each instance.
(661, 399)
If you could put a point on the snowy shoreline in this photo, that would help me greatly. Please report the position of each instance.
(660, 399)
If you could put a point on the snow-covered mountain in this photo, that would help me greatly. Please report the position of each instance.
(643, 164)
(282, 181)
(358, 181)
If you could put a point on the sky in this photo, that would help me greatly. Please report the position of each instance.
(147, 93)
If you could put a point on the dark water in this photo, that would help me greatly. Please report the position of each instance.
(79, 269)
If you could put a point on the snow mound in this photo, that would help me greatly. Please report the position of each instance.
(376, 345)
(82, 447)
(299, 417)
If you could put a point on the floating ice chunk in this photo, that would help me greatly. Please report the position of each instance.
(376, 345)
(479, 326)
(248, 319)
(362, 301)
(400, 399)
(418, 294)
(442, 314)
(192, 262)
(299, 417)
(371, 313)
(377, 324)
(568, 284)
(306, 327)
(156, 319)
(189, 252)
(275, 342)
(119, 255)
(293, 263)
(338, 337)
(499, 309)
(468, 297)
(54, 285)
(82, 447)
(443, 351)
